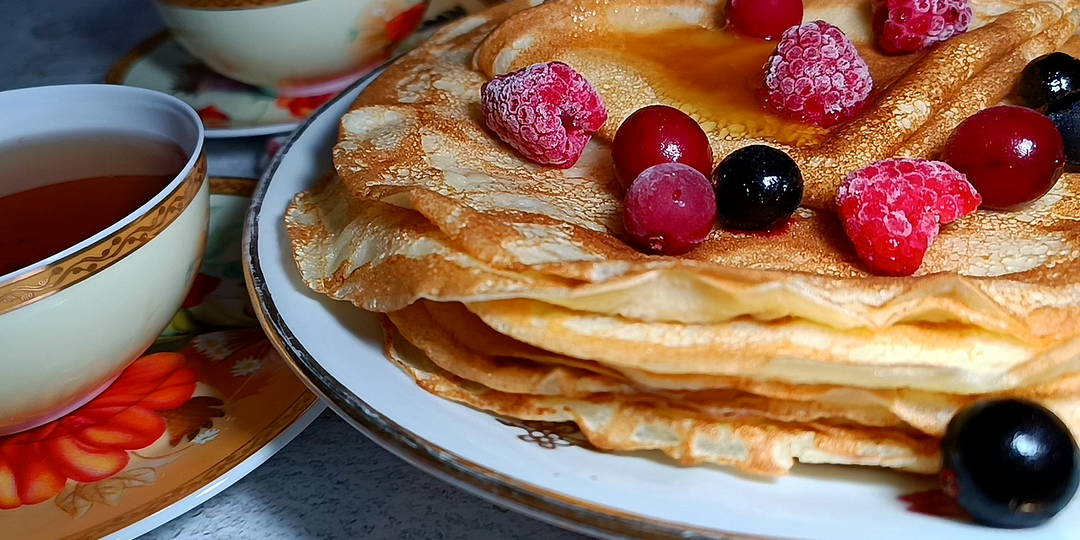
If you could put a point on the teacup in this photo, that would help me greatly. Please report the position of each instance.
(71, 321)
(292, 47)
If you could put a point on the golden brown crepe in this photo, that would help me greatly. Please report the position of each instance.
(510, 287)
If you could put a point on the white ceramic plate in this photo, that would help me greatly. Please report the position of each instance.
(337, 349)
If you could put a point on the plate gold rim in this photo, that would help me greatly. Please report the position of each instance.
(546, 505)
(238, 186)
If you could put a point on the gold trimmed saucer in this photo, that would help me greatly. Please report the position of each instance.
(228, 108)
(196, 413)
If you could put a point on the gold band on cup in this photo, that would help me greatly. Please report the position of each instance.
(26, 288)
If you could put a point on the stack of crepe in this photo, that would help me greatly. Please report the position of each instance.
(510, 287)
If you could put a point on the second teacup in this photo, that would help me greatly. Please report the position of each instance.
(292, 47)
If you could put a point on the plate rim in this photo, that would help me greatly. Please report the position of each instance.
(567, 512)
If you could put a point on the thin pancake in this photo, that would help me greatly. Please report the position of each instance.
(928, 412)
(615, 423)
(516, 375)
(414, 140)
(938, 358)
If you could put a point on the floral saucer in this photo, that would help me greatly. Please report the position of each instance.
(234, 109)
(210, 401)
(228, 108)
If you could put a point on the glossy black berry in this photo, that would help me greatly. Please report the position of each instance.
(1048, 78)
(1065, 113)
(1009, 463)
(756, 187)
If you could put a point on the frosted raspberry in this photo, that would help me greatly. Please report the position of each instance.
(892, 210)
(547, 112)
(817, 75)
(952, 195)
(906, 26)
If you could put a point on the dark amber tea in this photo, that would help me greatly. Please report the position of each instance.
(57, 192)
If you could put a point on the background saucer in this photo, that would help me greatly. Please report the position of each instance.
(228, 108)
(233, 109)
(209, 402)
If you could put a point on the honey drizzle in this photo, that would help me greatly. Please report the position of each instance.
(716, 76)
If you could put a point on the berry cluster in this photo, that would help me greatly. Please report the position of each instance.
(663, 157)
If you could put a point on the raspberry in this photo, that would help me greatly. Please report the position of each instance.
(906, 26)
(817, 75)
(892, 210)
(547, 112)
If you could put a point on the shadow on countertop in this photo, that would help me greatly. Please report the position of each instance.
(331, 482)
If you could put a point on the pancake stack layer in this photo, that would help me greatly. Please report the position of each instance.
(510, 287)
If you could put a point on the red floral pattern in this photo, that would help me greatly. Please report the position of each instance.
(92, 443)
(302, 107)
(212, 117)
(403, 25)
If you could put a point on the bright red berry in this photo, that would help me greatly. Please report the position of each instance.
(547, 112)
(905, 26)
(670, 209)
(765, 19)
(817, 75)
(1012, 155)
(658, 134)
(892, 210)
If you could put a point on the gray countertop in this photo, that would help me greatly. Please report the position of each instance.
(330, 482)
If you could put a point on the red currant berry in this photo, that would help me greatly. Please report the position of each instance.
(765, 19)
(670, 208)
(1011, 155)
(658, 134)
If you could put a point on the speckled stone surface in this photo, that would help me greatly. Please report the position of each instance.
(330, 482)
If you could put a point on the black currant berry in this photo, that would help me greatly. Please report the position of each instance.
(756, 187)
(1048, 78)
(1009, 463)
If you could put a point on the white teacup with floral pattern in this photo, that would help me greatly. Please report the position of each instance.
(292, 47)
(72, 321)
